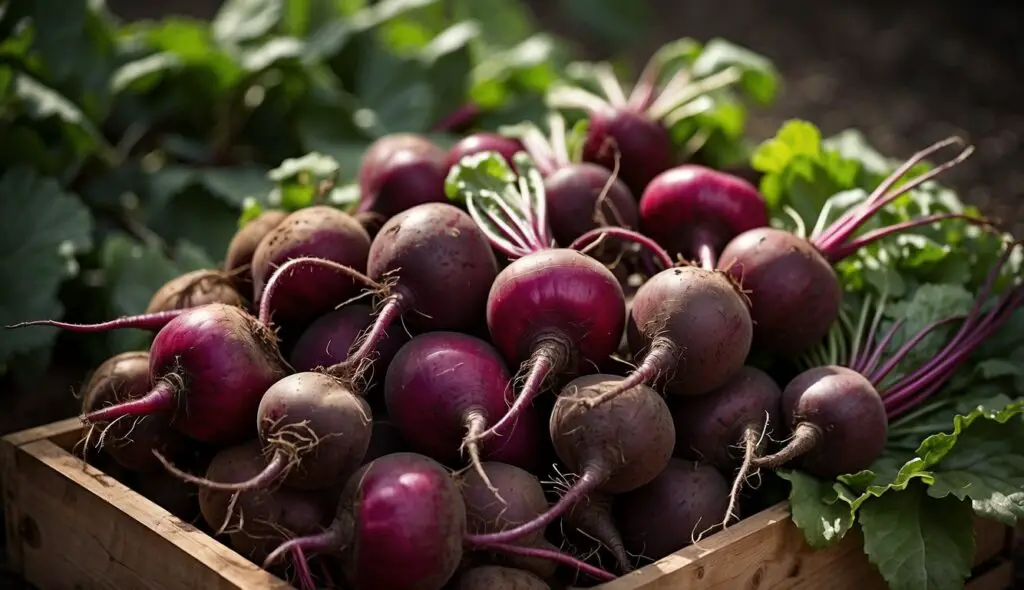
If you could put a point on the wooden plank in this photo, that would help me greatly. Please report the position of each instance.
(65, 430)
(767, 550)
(72, 527)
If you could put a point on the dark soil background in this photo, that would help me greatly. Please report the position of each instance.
(906, 73)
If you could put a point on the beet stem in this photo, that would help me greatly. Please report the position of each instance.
(557, 130)
(877, 375)
(908, 392)
(320, 542)
(393, 308)
(549, 357)
(151, 322)
(646, 85)
(702, 241)
(302, 572)
(871, 362)
(849, 222)
(571, 97)
(538, 147)
(648, 244)
(680, 90)
(661, 354)
(610, 85)
(805, 437)
(162, 398)
(276, 468)
(839, 252)
(862, 343)
(556, 556)
(591, 478)
(279, 275)
(513, 246)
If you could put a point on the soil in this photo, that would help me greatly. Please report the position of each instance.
(906, 73)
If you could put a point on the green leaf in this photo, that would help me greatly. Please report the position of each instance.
(232, 185)
(44, 103)
(448, 60)
(241, 21)
(44, 229)
(272, 53)
(914, 549)
(758, 76)
(817, 509)
(486, 174)
(300, 180)
(982, 459)
(141, 75)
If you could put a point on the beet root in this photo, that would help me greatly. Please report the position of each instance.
(399, 172)
(794, 293)
(506, 147)
(195, 288)
(314, 232)
(629, 141)
(130, 443)
(493, 577)
(238, 260)
(403, 509)
(838, 423)
(210, 366)
(584, 197)
(684, 502)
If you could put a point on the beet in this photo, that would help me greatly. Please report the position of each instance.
(492, 577)
(483, 142)
(402, 509)
(795, 294)
(695, 211)
(216, 361)
(130, 443)
(612, 448)
(314, 232)
(686, 501)
(444, 388)
(399, 172)
(195, 288)
(438, 265)
(238, 260)
(328, 340)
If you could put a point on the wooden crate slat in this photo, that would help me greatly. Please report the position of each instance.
(74, 527)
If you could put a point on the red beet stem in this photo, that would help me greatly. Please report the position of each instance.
(320, 542)
(872, 361)
(556, 556)
(841, 251)
(588, 482)
(592, 236)
(282, 273)
(162, 398)
(152, 322)
(275, 469)
(394, 306)
(844, 227)
(878, 374)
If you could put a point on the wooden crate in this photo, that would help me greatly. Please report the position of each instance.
(70, 526)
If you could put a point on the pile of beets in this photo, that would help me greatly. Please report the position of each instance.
(373, 400)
